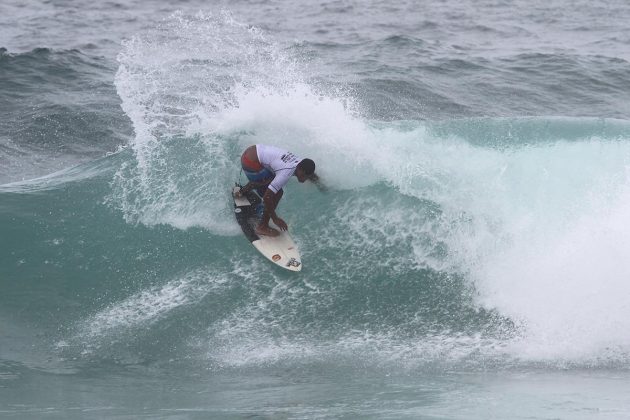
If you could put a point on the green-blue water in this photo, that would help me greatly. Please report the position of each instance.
(469, 259)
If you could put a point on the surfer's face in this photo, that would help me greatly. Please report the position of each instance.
(301, 176)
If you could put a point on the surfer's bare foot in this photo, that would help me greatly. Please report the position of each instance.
(266, 230)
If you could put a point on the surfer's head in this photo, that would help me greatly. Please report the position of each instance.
(305, 170)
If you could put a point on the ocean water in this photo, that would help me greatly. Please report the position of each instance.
(470, 259)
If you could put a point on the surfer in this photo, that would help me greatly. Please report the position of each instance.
(268, 169)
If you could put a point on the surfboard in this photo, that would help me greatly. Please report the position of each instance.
(280, 250)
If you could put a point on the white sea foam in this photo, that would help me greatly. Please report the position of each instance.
(149, 306)
(567, 281)
(544, 239)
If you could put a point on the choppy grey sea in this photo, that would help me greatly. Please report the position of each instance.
(469, 260)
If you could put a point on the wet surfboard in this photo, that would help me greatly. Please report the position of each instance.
(280, 250)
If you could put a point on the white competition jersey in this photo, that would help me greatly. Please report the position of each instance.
(281, 162)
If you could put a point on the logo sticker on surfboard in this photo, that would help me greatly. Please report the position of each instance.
(293, 263)
(276, 257)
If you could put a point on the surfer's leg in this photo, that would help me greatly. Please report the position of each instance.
(258, 180)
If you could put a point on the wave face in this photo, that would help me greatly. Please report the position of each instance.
(461, 230)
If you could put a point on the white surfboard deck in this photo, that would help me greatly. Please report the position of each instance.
(280, 250)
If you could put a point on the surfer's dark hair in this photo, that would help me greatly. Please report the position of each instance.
(307, 165)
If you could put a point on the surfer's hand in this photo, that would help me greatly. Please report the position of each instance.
(239, 193)
(280, 223)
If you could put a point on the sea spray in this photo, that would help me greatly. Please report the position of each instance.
(198, 90)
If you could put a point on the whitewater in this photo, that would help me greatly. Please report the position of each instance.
(468, 259)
